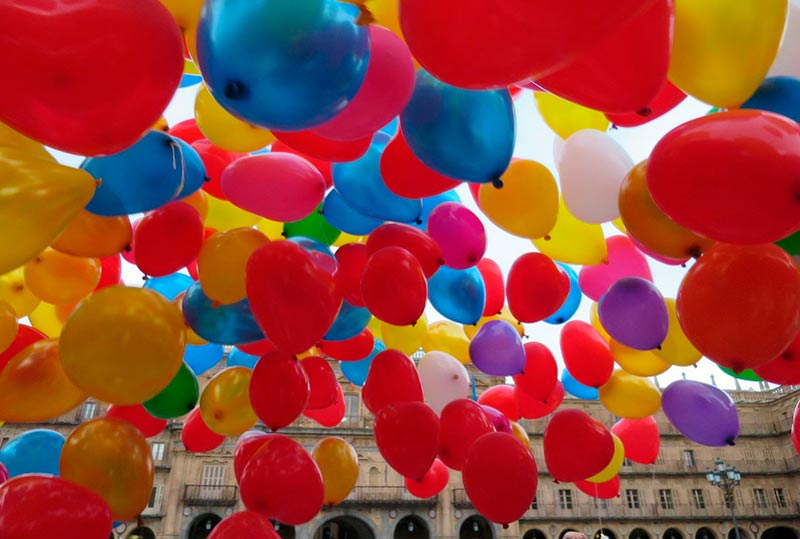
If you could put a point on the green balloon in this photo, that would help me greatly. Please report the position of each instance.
(790, 244)
(178, 398)
(314, 226)
(746, 374)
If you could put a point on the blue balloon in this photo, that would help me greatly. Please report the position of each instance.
(201, 358)
(360, 184)
(780, 95)
(350, 321)
(169, 286)
(237, 358)
(34, 451)
(356, 371)
(188, 79)
(311, 245)
(573, 301)
(282, 64)
(192, 182)
(221, 324)
(463, 134)
(342, 216)
(458, 295)
(143, 177)
(577, 389)
(430, 203)
(392, 127)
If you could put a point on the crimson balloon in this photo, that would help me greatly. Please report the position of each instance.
(393, 286)
(279, 389)
(540, 373)
(463, 421)
(392, 377)
(244, 524)
(432, 483)
(536, 287)
(412, 239)
(576, 446)
(501, 398)
(640, 438)
(323, 387)
(167, 239)
(586, 354)
(407, 436)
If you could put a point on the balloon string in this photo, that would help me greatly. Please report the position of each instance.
(177, 146)
(599, 509)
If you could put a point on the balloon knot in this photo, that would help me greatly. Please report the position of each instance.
(283, 234)
(683, 265)
(659, 347)
(730, 441)
(556, 481)
(127, 248)
(145, 278)
(614, 127)
(235, 90)
(547, 237)
(206, 179)
(215, 304)
(505, 526)
(695, 251)
(522, 372)
(418, 221)
(497, 183)
(98, 182)
(645, 112)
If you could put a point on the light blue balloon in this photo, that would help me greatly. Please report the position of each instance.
(573, 301)
(282, 64)
(360, 184)
(189, 79)
(344, 217)
(577, 389)
(780, 95)
(430, 203)
(203, 357)
(169, 286)
(312, 245)
(237, 358)
(356, 371)
(465, 134)
(458, 295)
(143, 177)
(192, 182)
(350, 321)
(392, 127)
(221, 324)
(34, 451)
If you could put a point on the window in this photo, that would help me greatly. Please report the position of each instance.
(565, 498)
(211, 481)
(665, 498)
(626, 462)
(154, 505)
(374, 478)
(632, 498)
(600, 504)
(780, 497)
(351, 409)
(698, 499)
(535, 504)
(158, 451)
(768, 456)
(88, 411)
(749, 456)
(759, 497)
(688, 458)
(4, 441)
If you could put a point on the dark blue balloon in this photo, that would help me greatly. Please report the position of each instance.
(573, 301)
(191, 159)
(201, 358)
(342, 216)
(169, 286)
(780, 95)
(237, 358)
(464, 134)
(282, 64)
(577, 389)
(360, 184)
(143, 177)
(220, 324)
(430, 203)
(458, 295)
(356, 371)
(349, 322)
(34, 451)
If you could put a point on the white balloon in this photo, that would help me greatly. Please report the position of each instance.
(558, 148)
(444, 379)
(591, 170)
(787, 62)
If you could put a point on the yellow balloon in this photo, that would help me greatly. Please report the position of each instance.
(594, 319)
(407, 339)
(572, 241)
(527, 203)
(448, 337)
(123, 345)
(345, 238)
(224, 129)
(10, 138)
(34, 387)
(8, 325)
(374, 326)
(39, 200)
(638, 362)
(521, 434)
(16, 293)
(385, 12)
(338, 463)
(614, 466)
(225, 402)
(47, 319)
(60, 279)
(565, 117)
(222, 215)
(626, 395)
(222, 261)
(186, 14)
(505, 314)
(93, 235)
(721, 50)
(199, 201)
(676, 348)
(271, 229)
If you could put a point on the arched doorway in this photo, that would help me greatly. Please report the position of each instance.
(742, 534)
(344, 527)
(604, 533)
(201, 526)
(779, 532)
(705, 533)
(411, 527)
(142, 532)
(565, 532)
(672, 533)
(284, 530)
(475, 527)
(533, 534)
(639, 533)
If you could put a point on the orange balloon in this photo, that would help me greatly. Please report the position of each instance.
(199, 201)
(222, 261)
(225, 402)
(338, 462)
(521, 434)
(112, 458)
(8, 325)
(16, 293)
(191, 337)
(505, 314)
(58, 278)
(93, 235)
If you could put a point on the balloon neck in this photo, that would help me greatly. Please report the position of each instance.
(731, 441)
(547, 237)
(145, 278)
(645, 112)
(505, 526)
(206, 179)
(695, 252)
(614, 127)
(497, 183)
(235, 90)
(98, 182)
(418, 221)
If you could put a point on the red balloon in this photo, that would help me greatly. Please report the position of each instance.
(463, 421)
(309, 143)
(576, 446)
(536, 287)
(730, 176)
(407, 435)
(408, 177)
(392, 378)
(26, 336)
(667, 99)
(294, 300)
(258, 348)
(501, 398)
(796, 428)
(187, 131)
(196, 436)
(540, 373)
(148, 425)
(495, 286)
(500, 477)
(474, 190)
(323, 165)
(110, 271)
(603, 491)
(432, 483)
(784, 369)
(332, 415)
(167, 239)
(279, 390)
(586, 354)
(323, 387)
(353, 349)
(283, 482)
(352, 258)
(412, 239)
(244, 524)
(740, 305)
(33, 506)
(640, 438)
(248, 444)
(191, 267)
(531, 408)
(215, 160)
(393, 286)
(97, 96)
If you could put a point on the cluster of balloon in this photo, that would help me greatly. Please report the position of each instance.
(306, 217)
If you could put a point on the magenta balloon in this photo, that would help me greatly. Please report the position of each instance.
(633, 312)
(703, 413)
(497, 349)
(623, 260)
(386, 89)
(499, 420)
(278, 186)
(4, 476)
(459, 233)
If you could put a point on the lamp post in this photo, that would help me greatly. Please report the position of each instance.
(727, 478)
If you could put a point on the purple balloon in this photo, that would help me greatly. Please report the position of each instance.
(633, 312)
(500, 422)
(497, 349)
(703, 413)
(459, 233)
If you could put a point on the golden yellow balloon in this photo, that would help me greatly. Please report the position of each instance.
(271, 229)
(626, 395)
(10, 138)
(225, 402)
(566, 118)
(594, 319)
(34, 387)
(186, 14)
(527, 203)
(222, 215)
(638, 362)
(386, 13)
(338, 463)
(45, 317)
(572, 241)
(224, 129)
(448, 337)
(721, 50)
(112, 458)
(8, 325)
(614, 466)
(407, 339)
(123, 345)
(676, 348)
(58, 278)
(505, 315)
(345, 238)
(222, 261)
(521, 434)
(199, 201)
(93, 235)
(16, 293)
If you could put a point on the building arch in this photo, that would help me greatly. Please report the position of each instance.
(672, 533)
(639, 533)
(344, 527)
(604, 532)
(412, 527)
(779, 532)
(534, 534)
(475, 527)
(742, 534)
(200, 527)
(705, 533)
(284, 530)
(141, 532)
(566, 531)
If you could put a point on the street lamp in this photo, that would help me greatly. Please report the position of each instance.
(727, 478)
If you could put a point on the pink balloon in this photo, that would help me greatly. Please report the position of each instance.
(386, 89)
(459, 233)
(499, 420)
(278, 186)
(659, 258)
(623, 260)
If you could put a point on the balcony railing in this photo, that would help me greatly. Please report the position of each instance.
(214, 495)
(618, 509)
(385, 496)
